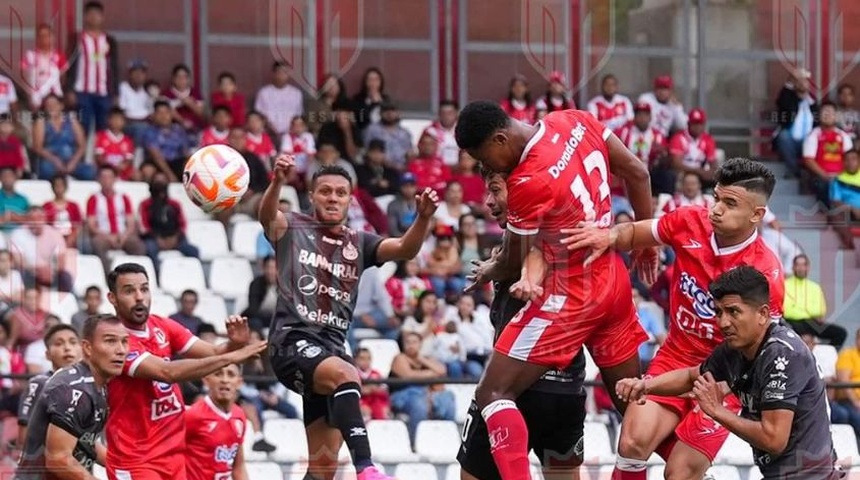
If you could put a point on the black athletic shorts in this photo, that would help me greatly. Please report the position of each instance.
(295, 357)
(555, 423)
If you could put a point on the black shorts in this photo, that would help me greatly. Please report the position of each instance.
(295, 357)
(555, 423)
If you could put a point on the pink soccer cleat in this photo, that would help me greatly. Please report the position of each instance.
(371, 473)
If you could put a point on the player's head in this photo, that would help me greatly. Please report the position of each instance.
(331, 190)
(223, 385)
(62, 345)
(129, 292)
(497, 195)
(489, 135)
(741, 298)
(105, 344)
(743, 189)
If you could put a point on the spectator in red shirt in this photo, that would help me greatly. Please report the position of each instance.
(257, 141)
(228, 96)
(13, 154)
(162, 222)
(375, 404)
(824, 151)
(694, 149)
(299, 143)
(185, 100)
(473, 185)
(110, 219)
(443, 129)
(519, 103)
(428, 168)
(114, 148)
(217, 133)
(63, 214)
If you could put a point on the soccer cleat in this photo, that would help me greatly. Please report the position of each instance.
(371, 473)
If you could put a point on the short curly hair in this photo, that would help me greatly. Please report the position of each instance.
(748, 174)
(478, 122)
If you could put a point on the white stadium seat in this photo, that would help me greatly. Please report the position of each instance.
(453, 472)
(289, 194)
(825, 356)
(89, 271)
(80, 192)
(288, 435)
(248, 445)
(735, 452)
(845, 443)
(142, 260)
(415, 127)
(416, 471)
(37, 192)
(163, 305)
(389, 441)
(61, 304)
(178, 274)
(591, 369)
(383, 201)
(382, 353)
(212, 309)
(463, 396)
(755, 474)
(210, 237)
(192, 212)
(230, 277)
(264, 471)
(244, 239)
(437, 441)
(598, 446)
(724, 472)
(137, 192)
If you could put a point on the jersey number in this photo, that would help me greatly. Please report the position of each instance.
(594, 161)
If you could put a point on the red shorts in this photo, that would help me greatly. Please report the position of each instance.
(597, 312)
(695, 428)
(167, 468)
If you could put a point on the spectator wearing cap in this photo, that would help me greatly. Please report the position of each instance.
(667, 113)
(279, 101)
(650, 146)
(44, 66)
(375, 176)
(402, 211)
(341, 131)
(443, 263)
(228, 96)
(429, 170)
(556, 97)
(823, 152)
(847, 115)
(518, 104)
(610, 107)
(694, 150)
(185, 100)
(13, 153)
(135, 101)
(443, 130)
(367, 103)
(796, 111)
(299, 143)
(845, 197)
(398, 140)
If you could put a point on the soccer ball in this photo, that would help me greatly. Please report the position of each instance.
(215, 178)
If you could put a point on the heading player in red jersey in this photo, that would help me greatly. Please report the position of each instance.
(558, 177)
(215, 430)
(707, 244)
(146, 428)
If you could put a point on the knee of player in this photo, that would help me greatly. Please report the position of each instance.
(631, 446)
(487, 394)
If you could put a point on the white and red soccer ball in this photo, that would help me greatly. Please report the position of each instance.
(216, 177)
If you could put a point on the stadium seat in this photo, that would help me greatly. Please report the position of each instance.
(591, 369)
(826, 356)
(61, 304)
(192, 212)
(387, 271)
(735, 452)
(437, 441)
(656, 472)
(230, 277)
(163, 305)
(210, 237)
(137, 192)
(598, 446)
(37, 192)
(415, 127)
(463, 395)
(453, 472)
(288, 435)
(389, 442)
(182, 273)
(243, 240)
(89, 271)
(383, 201)
(212, 309)
(264, 471)
(80, 192)
(755, 474)
(845, 443)
(240, 304)
(416, 471)
(142, 260)
(382, 352)
(724, 472)
(248, 445)
(289, 194)
(296, 400)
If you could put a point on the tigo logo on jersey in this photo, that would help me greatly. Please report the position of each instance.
(225, 454)
(703, 303)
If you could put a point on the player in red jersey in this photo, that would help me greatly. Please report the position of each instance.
(146, 429)
(707, 243)
(215, 430)
(558, 173)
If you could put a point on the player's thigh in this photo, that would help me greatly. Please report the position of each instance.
(700, 438)
(476, 461)
(644, 427)
(334, 371)
(615, 344)
(686, 462)
(324, 443)
(506, 378)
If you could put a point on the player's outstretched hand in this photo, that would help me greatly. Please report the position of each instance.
(631, 390)
(238, 331)
(248, 351)
(283, 164)
(646, 261)
(427, 202)
(525, 290)
(478, 278)
(598, 240)
(709, 393)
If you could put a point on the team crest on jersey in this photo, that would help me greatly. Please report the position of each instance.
(350, 252)
(703, 302)
(131, 356)
(160, 337)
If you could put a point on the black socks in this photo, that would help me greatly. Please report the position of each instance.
(346, 416)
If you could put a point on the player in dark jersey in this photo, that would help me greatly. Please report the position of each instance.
(62, 441)
(553, 408)
(785, 415)
(320, 261)
(63, 348)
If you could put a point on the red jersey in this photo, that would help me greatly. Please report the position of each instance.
(213, 438)
(827, 147)
(236, 105)
(11, 153)
(146, 422)
(430, 172)
(212, 136)
(646, 145)
(693, 331)
(679, 201)
(562, 180)
(524, 112)
(614, 113)
(260, 145)
(114, 150)
(696, 152)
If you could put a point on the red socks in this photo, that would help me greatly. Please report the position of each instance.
(629, 469)
(509, 439)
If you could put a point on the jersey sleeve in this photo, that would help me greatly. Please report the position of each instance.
(181, 339)
(28, 399)
(594, 125)
(70, 409)
(665, 229)
(676, 144)
(776, 284)
(717, 364)
(369, 246)
(136, 355)
(783, 376)
(529, 200)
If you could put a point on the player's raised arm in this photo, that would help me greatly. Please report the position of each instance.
(669, 384)
(273, 220)
(153, 368)
(60, 460)
(407, 246)
(238, 335)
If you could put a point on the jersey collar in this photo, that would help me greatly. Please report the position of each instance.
(532, 141)
(214, 408)
(139, 333)
(734, 248)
